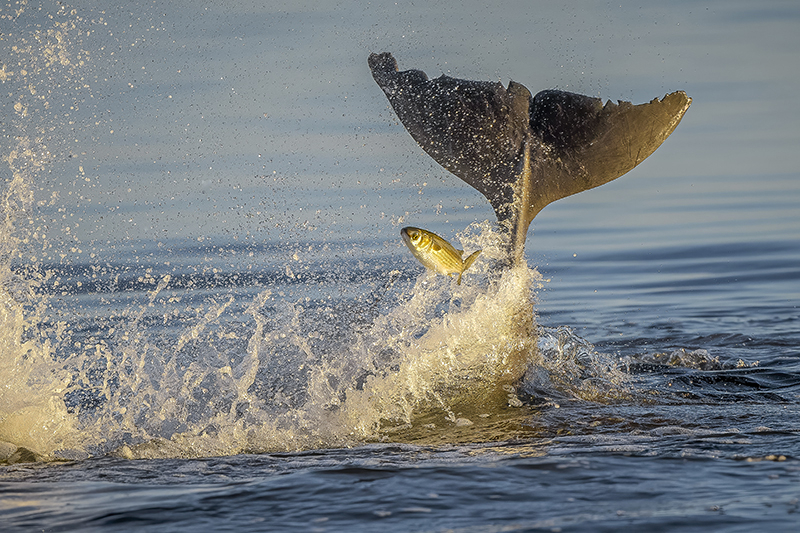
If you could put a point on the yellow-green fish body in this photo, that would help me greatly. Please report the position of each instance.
(435, 253)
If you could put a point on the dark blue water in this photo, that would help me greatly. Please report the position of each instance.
(208, 319)
(506, 487)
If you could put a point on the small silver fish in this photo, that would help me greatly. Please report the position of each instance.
(436, 253)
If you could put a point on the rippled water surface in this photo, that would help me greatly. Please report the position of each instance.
(208, 318)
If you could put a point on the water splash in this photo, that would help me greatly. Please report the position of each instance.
(164, 368)
(318, 375)
(32, 410)
(571, 369)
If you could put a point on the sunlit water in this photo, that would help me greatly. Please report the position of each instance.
(218, 337)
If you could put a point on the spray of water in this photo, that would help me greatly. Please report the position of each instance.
(182, 369)
(44, 59)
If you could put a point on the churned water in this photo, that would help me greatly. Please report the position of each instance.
(208, 318)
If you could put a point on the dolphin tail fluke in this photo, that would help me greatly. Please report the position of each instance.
(524, 152)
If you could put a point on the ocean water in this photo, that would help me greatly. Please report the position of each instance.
(208, 318)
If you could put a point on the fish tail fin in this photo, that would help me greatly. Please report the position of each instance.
(471, 259)
(468, 263)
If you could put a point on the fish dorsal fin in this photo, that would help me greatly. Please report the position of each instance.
(522, 152)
